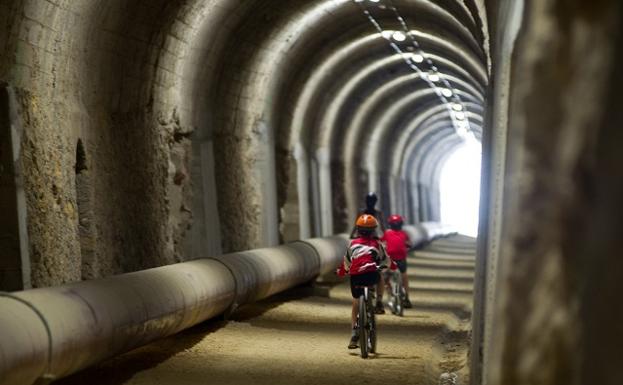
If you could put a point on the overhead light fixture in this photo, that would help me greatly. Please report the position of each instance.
(460, 115)
(457, 106)
(399, 36)
(433, 77)
(446, 92)
(418, 58)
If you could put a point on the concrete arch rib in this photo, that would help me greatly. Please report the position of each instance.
(460, 56)
(381, 138)
(441, 17)
(384, 127)
(393, 149)
(421, 191)
(431, 121)
(327, 75)
(437, 168)
(369, 117)
(254, 88)
(400, 149)
(249, 83)
(328, 126)
(431, 166)
(314, 93)
(393, 195)
(413, 150)
(421, 150)
(426, 194)
(249, 86)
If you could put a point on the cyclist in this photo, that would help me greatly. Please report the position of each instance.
(364, 257)
(397, 243)
(370, 209)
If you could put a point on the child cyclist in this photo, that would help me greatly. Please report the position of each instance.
(397, 244)
(363, 259)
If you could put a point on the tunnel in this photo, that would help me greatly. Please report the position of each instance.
(175, 176)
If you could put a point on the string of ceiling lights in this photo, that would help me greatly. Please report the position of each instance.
(416, 58)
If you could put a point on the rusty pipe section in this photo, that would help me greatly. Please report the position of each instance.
(90, 321)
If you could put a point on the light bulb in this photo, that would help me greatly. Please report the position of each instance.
(399, 36)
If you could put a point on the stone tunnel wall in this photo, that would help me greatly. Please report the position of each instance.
(555, 256)
(101, 73)
(157, 131)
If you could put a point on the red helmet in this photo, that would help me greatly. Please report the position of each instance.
(395, 219)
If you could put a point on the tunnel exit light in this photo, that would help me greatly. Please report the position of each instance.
(460, 188)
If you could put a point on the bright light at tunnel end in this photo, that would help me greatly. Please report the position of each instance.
(460, 188)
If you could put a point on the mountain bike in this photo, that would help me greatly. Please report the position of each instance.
(366, 322)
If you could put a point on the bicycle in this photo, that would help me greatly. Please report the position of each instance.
(366, 322)
(396, 292)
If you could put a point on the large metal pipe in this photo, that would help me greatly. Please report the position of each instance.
(94, 320)
(91, 321)
(424, 232)
(53, 332)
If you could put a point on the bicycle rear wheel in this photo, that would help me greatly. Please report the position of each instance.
(363, 327)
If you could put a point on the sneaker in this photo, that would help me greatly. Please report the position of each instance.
(379, 309)
(407, 304)
(354, 342)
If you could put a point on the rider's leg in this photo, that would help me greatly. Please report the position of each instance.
(379, 308)
(405, 283)
(402, 265)
(388, 281)
(354, 334)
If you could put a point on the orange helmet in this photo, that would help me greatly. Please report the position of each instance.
(366, 222)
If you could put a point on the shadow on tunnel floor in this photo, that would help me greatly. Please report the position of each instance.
(120, 369)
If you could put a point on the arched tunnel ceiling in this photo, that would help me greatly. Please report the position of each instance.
(241, 82)
(345, 72)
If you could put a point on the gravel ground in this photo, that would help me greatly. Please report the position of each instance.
(300, 337)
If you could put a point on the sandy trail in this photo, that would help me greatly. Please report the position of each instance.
(300, 337)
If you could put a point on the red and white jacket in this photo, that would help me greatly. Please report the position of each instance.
(364, 255)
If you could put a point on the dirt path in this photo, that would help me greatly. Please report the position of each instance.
(300, 337)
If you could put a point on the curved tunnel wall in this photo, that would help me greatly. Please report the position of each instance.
(198, 135)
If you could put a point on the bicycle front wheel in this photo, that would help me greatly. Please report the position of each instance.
(363, 327)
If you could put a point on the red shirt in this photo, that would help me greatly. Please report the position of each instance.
(363, 255)
(397, 242)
